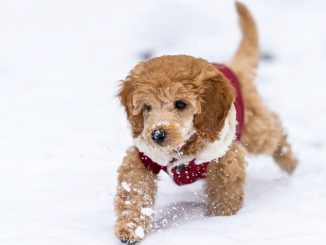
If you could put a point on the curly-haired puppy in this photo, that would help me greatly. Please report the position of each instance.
(195, 120)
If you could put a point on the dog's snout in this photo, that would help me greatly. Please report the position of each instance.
(158, 136)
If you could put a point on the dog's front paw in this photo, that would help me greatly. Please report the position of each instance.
(128, 231)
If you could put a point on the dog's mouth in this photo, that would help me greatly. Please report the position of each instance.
(178, 149)
(169, 138)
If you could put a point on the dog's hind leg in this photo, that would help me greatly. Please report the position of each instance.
(264, 134)
(283, 155)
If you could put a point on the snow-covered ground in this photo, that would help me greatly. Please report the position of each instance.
(63, 133)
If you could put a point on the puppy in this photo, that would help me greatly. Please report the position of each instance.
(195, 120)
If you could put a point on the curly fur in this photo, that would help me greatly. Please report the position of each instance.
(158, 83)
(136, 192)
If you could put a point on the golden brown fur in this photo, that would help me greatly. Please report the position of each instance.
(132, 199)
(263, 131)
(157, 84)
(154, 81)
(225, 182)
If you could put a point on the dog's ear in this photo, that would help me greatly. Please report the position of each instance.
(214, 104)
(128, 99)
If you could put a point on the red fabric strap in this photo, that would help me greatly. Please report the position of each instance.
(238, 103)
(150, 164)
(182, 175)
(190, 173)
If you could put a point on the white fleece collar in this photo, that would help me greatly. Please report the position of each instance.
(210, 152)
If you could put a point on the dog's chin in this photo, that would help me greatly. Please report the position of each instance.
(168, 147)
(165, 148)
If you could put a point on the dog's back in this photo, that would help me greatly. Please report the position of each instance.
(263, 131)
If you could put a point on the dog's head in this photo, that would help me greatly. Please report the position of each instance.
(170, 98)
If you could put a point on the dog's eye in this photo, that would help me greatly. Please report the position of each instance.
(148, 107)
(179, 104)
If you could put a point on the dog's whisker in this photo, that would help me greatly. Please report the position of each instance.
(180, 153)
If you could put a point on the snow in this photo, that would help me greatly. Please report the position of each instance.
(147, 211)
(63, 133)
(284, 150)
(139, 232)
(161, 123)
(125, 186)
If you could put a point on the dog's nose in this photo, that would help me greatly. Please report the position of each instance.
(158, 136)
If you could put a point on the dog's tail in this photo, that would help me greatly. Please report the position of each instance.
(247, 54)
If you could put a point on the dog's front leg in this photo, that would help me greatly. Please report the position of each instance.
(225, 182)
(134, 198)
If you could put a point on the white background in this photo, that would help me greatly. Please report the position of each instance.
(63, 133)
